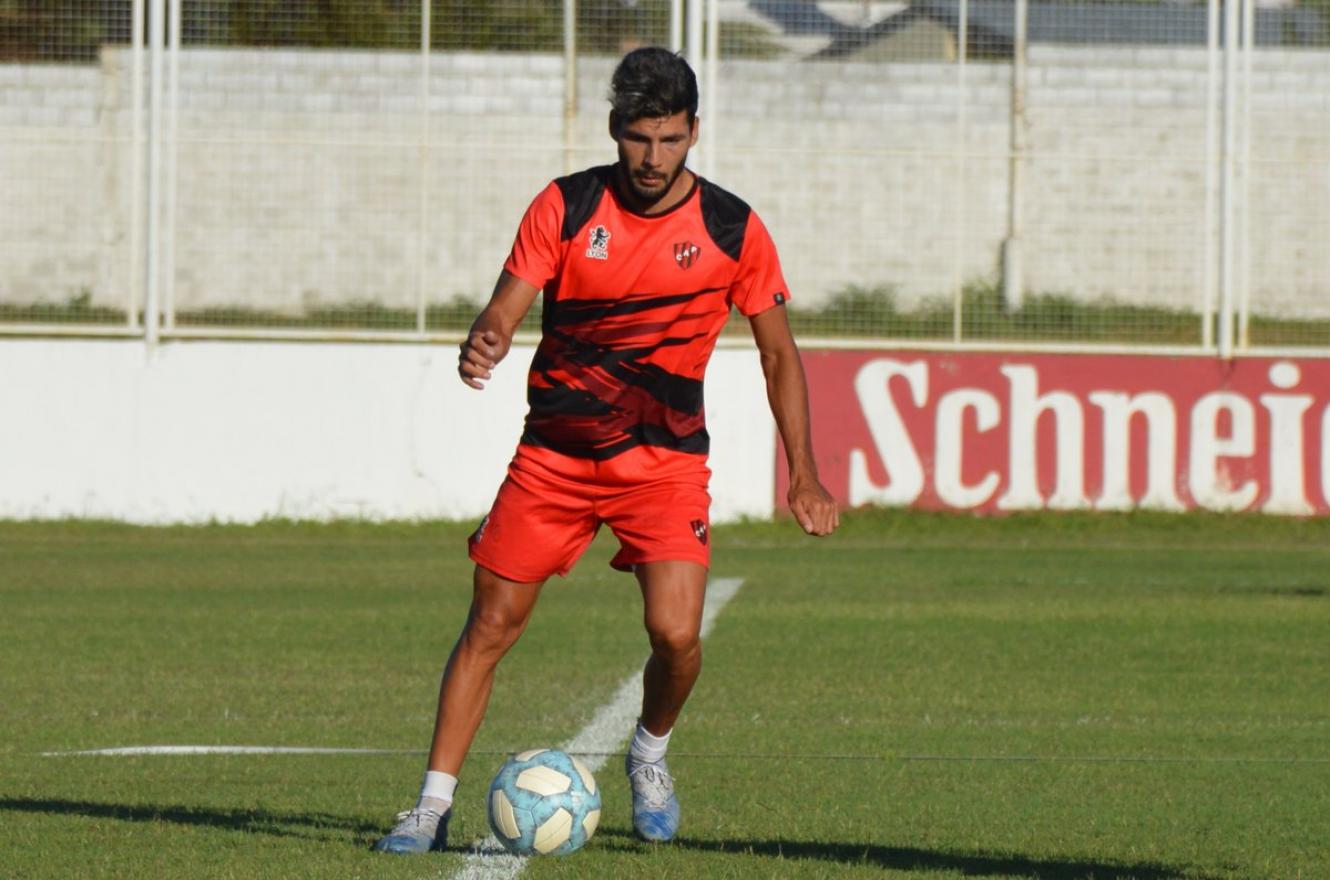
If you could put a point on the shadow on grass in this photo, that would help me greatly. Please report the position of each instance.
(309, 825)
(904, 858)
(253, 821)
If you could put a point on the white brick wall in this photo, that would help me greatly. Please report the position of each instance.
(51, 238)
(300, 173)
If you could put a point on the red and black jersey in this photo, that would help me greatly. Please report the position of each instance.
(633, 304)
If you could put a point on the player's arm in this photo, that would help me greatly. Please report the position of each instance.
(491, 334)
(787, 391)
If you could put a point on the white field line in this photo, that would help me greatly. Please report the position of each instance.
(228, 750)
(610, 727)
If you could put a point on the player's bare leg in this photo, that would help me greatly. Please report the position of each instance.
(672, 594)
(500, 611)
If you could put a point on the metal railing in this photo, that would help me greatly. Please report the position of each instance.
(950, 173)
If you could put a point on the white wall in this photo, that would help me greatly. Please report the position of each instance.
(300, 174)
(240, 431)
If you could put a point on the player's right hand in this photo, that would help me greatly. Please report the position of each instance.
(481, 352)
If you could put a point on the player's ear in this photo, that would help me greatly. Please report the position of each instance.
(614, 125)
(693, 138)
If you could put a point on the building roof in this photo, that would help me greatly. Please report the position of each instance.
(991, 24)
(800, 17)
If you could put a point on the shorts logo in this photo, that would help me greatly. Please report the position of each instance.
(700, 531)
(599, 244)
(479, 534)
(685, 254)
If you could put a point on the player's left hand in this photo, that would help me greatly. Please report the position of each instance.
(814, 508)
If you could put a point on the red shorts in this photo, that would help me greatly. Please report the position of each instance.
(551, 506)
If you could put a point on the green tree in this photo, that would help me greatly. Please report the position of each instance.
(60, 30)
(74, 30)
(361, 24)
(497, 24)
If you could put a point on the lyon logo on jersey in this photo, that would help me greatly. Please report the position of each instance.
(685, 254)
(599, 243)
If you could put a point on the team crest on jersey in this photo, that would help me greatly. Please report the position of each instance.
(686, 254)
(599, 243)
(700, 530)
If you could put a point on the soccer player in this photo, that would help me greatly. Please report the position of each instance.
(639, 263)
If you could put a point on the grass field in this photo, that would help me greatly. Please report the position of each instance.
(919, 696)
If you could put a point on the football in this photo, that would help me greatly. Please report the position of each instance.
(544, 802)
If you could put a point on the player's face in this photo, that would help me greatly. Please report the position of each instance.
(652, 153)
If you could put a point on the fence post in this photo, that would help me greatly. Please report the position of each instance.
(422, 269)
(711, 77)
(1244, 173)
(1227, 211)
(962, 55)
(1212, 159)
(1013, 270)
(569, 83)
(693, 34)
(136, 164)
(153, 305)
(172, 159)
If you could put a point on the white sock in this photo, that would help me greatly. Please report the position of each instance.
(646, 747)
(436, 792)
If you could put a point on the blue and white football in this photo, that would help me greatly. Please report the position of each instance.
(544, 802)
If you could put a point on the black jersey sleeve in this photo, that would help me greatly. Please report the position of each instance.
(581, 194)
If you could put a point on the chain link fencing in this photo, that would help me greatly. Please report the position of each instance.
(941, 180)
(58, 145)
(953, 172)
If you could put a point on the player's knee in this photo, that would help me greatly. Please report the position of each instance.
(493, 629)
(674, 641)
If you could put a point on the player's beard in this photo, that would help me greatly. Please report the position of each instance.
(649, 195)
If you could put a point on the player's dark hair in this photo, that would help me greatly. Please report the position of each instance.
(650, 83)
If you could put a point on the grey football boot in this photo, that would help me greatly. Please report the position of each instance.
(418, 830)
(655, 808)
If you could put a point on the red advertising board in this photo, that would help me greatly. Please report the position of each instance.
(1011, 431)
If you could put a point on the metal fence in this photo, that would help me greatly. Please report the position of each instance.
(943, 172)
